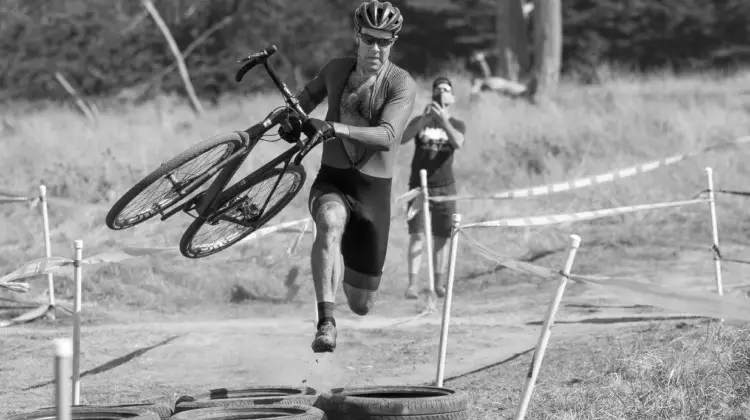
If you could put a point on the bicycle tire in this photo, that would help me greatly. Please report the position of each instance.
(115, 219)
(187, 245)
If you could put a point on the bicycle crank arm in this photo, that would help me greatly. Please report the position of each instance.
(215, 219)
(211, 219)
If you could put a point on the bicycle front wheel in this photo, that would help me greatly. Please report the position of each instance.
(156, 192)
(242, 211)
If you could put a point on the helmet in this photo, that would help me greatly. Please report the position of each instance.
(376, 15)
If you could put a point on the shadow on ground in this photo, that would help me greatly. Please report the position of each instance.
(622, 320)
(113, 363)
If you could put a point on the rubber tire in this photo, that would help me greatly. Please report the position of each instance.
(234, 139)
(83, 412)
(248, 397)
(238, 188)
(296, 412)
(394, 402)
(162, 411)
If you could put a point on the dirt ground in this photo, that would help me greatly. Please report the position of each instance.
(142, 356)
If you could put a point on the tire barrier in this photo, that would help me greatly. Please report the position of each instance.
(248, 397)
(255, 402)
(393, 402)
(280, 412)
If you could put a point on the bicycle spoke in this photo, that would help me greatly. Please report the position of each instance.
(245, 215)
(152, 200)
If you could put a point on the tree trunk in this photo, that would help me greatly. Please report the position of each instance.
(547, 44)
(512, 43)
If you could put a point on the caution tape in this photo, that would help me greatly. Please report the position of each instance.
(591, 180)
(60, 264)
(409, 195)
(5, 200)
(723, 307)
(299, 237)
(508, 262)
(731, 192)
(16, 287)
(8, 197)
(576, 217)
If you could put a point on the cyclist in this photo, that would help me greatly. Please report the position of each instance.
(437, 135)
(370, 101)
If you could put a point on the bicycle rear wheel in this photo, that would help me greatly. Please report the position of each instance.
(156, 192)
(246, 198)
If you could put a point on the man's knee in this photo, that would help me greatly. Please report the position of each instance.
(361, 291)
(360, 301)
(330, 220)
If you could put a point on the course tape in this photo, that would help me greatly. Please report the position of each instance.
(409, 195)
(591, 180)
(575, 217)
(5, 200)
(732, 260)
(730, 192)
(697, 303)
(60, 264)
(16, 287)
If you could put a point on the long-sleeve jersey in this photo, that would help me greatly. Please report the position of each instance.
(391, 105)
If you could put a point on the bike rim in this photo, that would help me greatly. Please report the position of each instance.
(162, 193)
(210, 238)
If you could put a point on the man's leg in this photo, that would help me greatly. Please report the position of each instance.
(442, 223)
(361, 291)
(416, 245)
(330, 214)
(414, 257)
(365, 245)
(441, 264)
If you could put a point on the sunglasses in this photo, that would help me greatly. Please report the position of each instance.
(381, 42)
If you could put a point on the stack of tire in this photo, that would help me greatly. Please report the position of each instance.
(288, 403)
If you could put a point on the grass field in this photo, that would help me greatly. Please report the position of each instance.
(593, 129)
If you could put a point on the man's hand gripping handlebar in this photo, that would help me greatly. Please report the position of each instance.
(316, 130)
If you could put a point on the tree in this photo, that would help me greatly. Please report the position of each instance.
(547, 18)
(512, 47)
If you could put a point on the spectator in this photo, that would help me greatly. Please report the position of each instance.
(437, 135)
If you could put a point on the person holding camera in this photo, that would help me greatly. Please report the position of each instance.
(437, 135)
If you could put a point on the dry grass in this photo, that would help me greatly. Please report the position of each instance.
(510, 144)
(659, 371)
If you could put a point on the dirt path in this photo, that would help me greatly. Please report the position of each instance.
(160, 358)
(136, 361)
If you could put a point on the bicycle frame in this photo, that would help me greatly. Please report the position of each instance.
(207, 202)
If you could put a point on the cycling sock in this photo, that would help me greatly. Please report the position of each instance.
(325, 313)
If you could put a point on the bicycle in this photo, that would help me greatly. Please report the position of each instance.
(217, 206)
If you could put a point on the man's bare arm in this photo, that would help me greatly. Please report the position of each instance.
(413, 128)
(455, 137)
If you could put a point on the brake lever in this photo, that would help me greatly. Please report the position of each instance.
(309, 146)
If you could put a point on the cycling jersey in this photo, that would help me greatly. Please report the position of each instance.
(390, 107)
